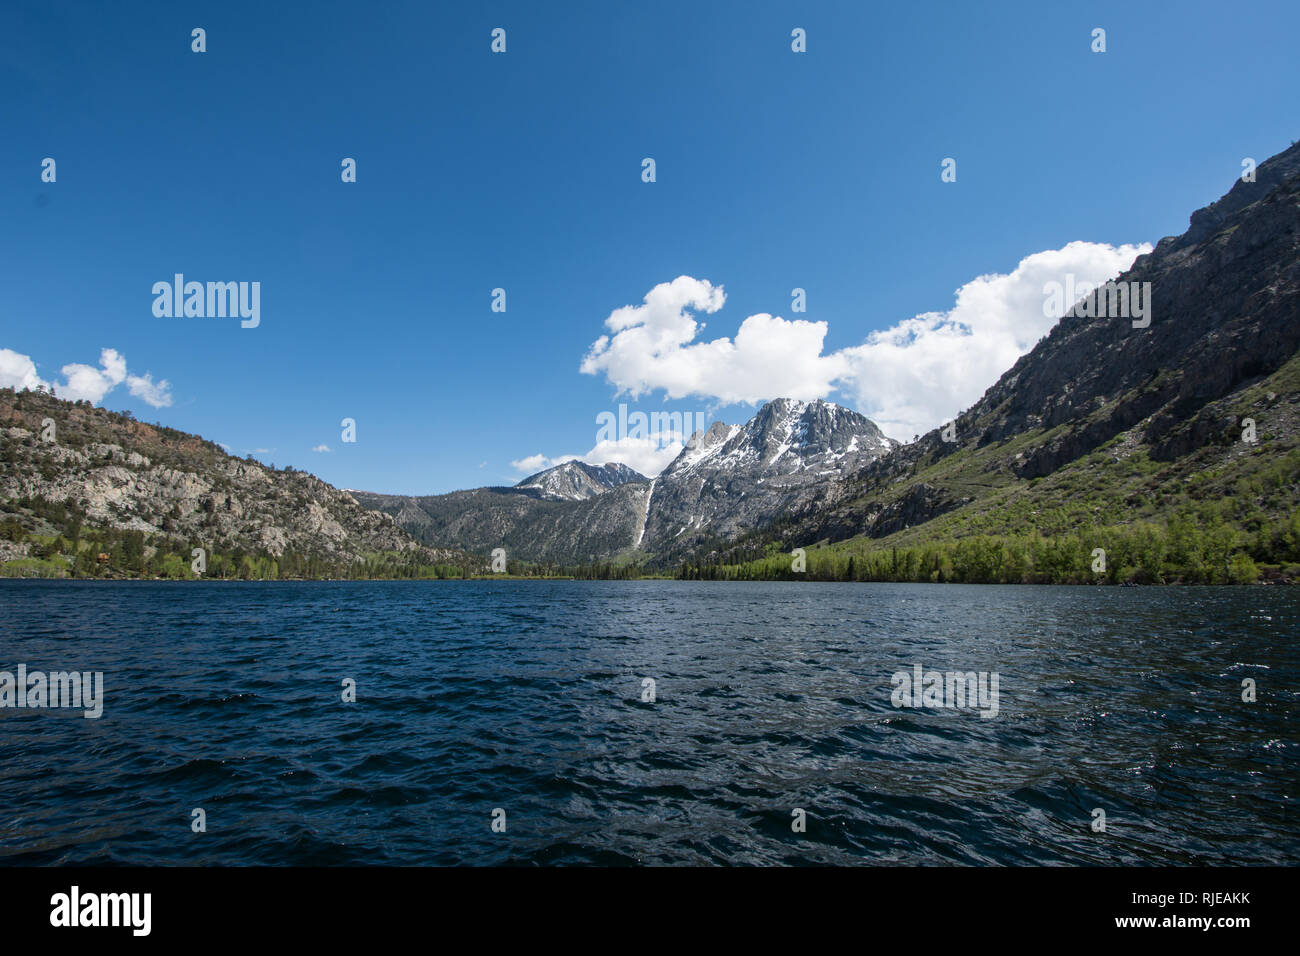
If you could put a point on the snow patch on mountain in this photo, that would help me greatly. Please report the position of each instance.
(578, 481)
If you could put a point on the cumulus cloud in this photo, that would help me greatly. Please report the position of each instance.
(90, 383)
(908, 378)
(85, 382)
(17, 371)
(143, 387)
(647, 455)
(916, 374)
(321, 448)
(653, 347)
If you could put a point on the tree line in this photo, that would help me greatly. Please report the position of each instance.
(1181, 551)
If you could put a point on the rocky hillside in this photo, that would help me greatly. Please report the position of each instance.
(68, 464)
(578, 481)
(1193, 418)
(529, 527)
(732, 478)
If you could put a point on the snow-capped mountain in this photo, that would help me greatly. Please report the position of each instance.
(733, 478)
(786, 437)
(729, 479)
(578, 481)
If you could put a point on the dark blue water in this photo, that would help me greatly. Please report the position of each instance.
(526, 696)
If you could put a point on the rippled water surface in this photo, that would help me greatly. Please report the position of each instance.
(527, 696)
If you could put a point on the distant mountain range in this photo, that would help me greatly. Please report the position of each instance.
(729, 479)
(1173, 444)
(1108, 423)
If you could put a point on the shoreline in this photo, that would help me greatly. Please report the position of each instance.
(1286, 582)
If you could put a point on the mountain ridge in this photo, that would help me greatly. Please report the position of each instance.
(713, 488)
(1105, 427)
(577, 480)
(71, 471)
(1168, 404)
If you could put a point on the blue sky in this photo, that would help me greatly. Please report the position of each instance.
(775, 170)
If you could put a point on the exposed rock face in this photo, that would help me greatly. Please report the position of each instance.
(125, 474)
(527, 526)
(733, 478)
(1225, 309)
(1225, 300)
(578, 481)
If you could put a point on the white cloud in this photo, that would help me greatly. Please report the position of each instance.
(649, 456)
(539, 462)
(90, 383)
(142, 387)
(922, 371)
(908, 378)
(17, 371)
(85, 382)
(321, 448)
(652, 348)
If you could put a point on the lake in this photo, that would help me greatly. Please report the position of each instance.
(527, 704)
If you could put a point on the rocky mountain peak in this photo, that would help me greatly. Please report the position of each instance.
(702, 445)
(733, 477)
(577, 481)
(787, 435)
(1273, 172)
